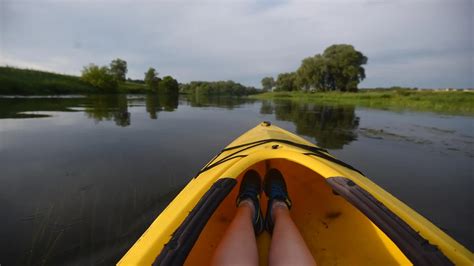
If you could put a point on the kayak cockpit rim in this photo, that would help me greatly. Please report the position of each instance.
(417, 249)
(182, 241)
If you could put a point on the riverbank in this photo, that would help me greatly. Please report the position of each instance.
(451, 102)
(15, 81)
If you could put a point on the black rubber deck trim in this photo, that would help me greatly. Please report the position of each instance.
(182, 241)
(417, 249)
(334, 160)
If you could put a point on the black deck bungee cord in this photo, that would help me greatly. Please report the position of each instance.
(315, 151)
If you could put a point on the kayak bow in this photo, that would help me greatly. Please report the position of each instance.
(343, 216)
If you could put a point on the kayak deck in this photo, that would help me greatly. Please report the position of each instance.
(334, 230)
(342, 215)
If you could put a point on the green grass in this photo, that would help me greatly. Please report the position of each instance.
(131, 87)
(15, 81)
(451, 102)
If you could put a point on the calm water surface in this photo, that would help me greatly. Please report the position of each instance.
(82, 177)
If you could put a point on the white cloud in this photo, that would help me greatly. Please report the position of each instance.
(241, 40)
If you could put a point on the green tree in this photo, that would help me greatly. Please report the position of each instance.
(338, 68)
(169, 85)
(268, 83)
(312, 72)
(99, 77)
(286, 82)
(118, 68)
(344, 67)
(151, 79)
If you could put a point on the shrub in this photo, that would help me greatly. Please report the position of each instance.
(100, 77)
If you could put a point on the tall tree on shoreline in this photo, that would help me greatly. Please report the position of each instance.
(169, 85)
(312, 73)
(338, 68)
(268, 83)
(151, 79)
(286, 82)
(344, 64)
(118, 68)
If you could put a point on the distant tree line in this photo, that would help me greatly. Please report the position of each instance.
(338, 68)
(108, 78)
(138, 81)
(217, 88)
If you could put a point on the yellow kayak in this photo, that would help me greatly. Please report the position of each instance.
(344, 217)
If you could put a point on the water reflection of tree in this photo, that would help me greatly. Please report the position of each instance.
(29, 107)
(108, 107)
(267, 107)
(331, 126)
(160, 102)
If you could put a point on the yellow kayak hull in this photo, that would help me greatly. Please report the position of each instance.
(343, 216)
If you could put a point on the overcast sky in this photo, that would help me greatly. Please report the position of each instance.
(408, 43)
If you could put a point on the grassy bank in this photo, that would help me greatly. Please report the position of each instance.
(15, 81)
(131, 87)
(434, 101)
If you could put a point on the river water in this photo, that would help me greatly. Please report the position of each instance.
(82, 177)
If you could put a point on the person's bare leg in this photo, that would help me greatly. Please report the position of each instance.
(287, 246)
(239, 245)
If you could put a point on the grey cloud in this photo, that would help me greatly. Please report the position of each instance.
(406, 41)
